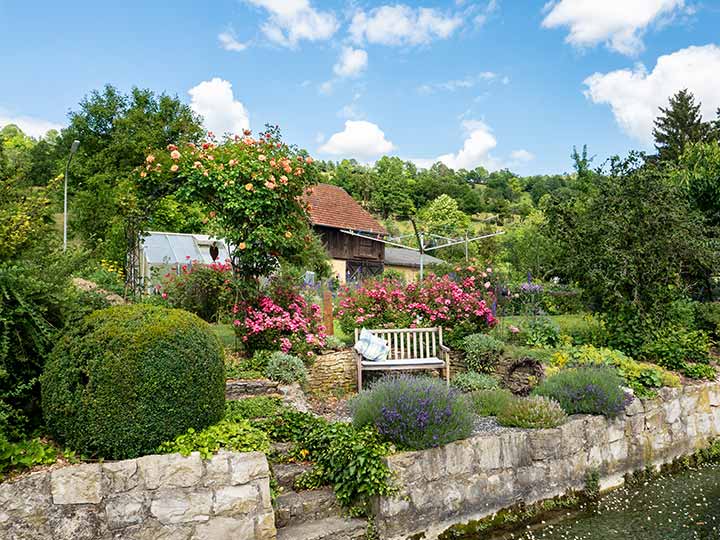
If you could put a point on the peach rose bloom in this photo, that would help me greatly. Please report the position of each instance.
(242, 245)
(262, 157)
(288, 234)
(270, 185)
(308, 160)
(283, 179)
(175, 154)
(249, 186)
(174, 168)
(150, 158)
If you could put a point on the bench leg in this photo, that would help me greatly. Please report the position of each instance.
(447, 372)
(359, 377)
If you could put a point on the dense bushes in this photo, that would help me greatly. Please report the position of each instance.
(413, 412)
(285, 368)
(469, 381)
(589, 390)
(16, 456)
(672, 347)
(536, 412)
(237, 436)
(491, 401)
(482, 352)
(130, 377)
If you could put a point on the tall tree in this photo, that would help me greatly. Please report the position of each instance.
(391, 188)
(679, 125)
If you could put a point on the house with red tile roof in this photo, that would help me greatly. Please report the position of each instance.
(332, 210)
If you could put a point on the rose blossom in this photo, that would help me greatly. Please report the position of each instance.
(174, 168)
(175, 154)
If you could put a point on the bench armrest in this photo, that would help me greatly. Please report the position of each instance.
(444, 348)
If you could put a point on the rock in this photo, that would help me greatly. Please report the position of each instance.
(125, 510)
(293, 396)
(170, 470)
(120, 476)
(172, 507)
(81, 484)
(247, 466)
(232, 500)
(226, 528)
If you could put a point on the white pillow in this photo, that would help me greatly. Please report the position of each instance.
(371, 347)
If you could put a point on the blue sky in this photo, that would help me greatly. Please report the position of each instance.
(503, 83)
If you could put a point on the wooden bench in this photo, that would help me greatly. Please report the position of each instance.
(409, 349)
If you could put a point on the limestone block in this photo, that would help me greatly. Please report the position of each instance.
(176, 506)
(225, 527)
(265, 526)
(76, 523)
(393, 506)
(125, 509)
(78, 484)
(171, 470)
(217, 469)
(247, 466)
(234, 500)
(545, 444)
(120, 476)
(573, 437)
(634, 408)
(514, 449)
(615, 429)
(26, 497)
(488, 453)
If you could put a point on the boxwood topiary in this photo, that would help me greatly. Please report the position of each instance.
(130, 377)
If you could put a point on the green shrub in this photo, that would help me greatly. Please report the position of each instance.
(16, 456)
(334, 343)
(286, 368)
(247, 368)
(542, 332)
(532, 412)
(490, 402)
(583, 328)
(482, 352)
(413, 412)
(288, 425)
(130, 377)
(469, 381)
(237, 436)
(253, 407)
(699, 371)
(707, 317)
(586, 390)
(673, 346)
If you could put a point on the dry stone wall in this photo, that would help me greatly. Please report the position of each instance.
(159, 497)
(333, 372)
(470, 479)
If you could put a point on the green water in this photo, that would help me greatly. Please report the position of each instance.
(684, 506)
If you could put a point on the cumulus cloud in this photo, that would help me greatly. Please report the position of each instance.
(360, 139)
(618, 23)
(475, 152)
(221, 112)
(351, 63)
(230, 43)
(35, 127)
(402, 25)
(458, 84)
(521, 156)
(291, 21)
(634, 95)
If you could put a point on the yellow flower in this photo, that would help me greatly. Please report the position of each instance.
(249, 186)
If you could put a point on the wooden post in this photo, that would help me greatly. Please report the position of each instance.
(328, 312)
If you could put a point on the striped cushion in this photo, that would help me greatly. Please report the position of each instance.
(371, 347)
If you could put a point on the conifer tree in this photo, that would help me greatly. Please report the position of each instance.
(678, 125)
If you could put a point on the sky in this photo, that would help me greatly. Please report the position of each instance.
(493, 83)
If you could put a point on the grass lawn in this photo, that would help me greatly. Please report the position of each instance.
(226, 333)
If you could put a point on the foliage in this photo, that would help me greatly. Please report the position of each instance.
(542, 332)
(699, 175)
(679, 125)
(288, 425)
(470, 381)
(280, 318)
(390, 193)
(460, 308)
(334, 343)
(286, 368)
(528, 248)
(349, 459)
(236, 436)
(413, 412)
(251, 188)
(632, 243)
(707, 317)
(699, 371)
(673, 346)
(643, 378)
(253, 407)
(482, 352)
(129, 377)
(25, 454)
(237, 367)
(443, 217)
(491, 401)
(207, 290)
(586, 390)
(537, 412)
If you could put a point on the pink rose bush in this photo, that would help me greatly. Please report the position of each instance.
(280, 319)
(461, 308)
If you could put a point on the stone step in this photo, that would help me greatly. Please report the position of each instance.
(295, 507)
(334, 528)
(286, 473)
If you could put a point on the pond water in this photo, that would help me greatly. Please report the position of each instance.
(684, 506)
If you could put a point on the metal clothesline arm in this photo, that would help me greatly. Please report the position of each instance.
(464, 241)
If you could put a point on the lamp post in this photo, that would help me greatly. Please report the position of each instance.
(73, 149)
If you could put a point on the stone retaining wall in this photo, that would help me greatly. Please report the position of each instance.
(470, 479)
(168, 497)
(241, 388)
(333, 372)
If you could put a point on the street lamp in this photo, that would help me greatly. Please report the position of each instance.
(73, 149)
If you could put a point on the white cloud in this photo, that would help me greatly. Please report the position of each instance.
(35, 127)
(521, 156)
(230, 43)
(402, 25)
(491, 7)
(618, 23)
(360, 139)
(214, 101)
(634, 95)
(291, 21)
(351, 63)
(350, 112)
(457, 84)
(475, 151)
(326, 88)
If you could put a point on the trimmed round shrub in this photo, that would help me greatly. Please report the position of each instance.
(536, 412)
(469, 381)
(131, 377)
(414, 412)
(587, 390)
(482, 352)
(285, 368)
(490, 402)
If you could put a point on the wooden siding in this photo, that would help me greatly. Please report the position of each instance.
(347, 247)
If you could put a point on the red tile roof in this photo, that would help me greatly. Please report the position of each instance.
(332, 206)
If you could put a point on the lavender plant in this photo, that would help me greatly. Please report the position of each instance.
(414, 412)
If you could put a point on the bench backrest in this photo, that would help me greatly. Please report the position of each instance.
(407, 343)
